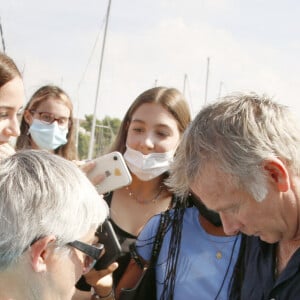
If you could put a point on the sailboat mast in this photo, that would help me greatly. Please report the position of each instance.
(2, 37)
(206, 81)
(92, 137)
(184, 84)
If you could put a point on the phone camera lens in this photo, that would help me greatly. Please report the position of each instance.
(115, 157)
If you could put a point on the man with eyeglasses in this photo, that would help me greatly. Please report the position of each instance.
(49, 212)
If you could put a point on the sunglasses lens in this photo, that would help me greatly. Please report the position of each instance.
(89, 263)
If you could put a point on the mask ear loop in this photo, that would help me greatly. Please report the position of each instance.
(26, 124)
(27, 128)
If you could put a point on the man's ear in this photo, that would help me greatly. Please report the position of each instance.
(278, 173)
(39, 252)
(28, 117)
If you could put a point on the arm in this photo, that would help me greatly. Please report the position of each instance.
(101, 282)
(141, 254)
(130, 277)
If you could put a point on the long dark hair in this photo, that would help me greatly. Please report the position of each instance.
(169, 98)
(175, 224)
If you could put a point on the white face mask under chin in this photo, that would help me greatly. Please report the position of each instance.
(147, 167)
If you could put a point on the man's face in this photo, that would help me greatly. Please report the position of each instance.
(239, 211)
(66, 267)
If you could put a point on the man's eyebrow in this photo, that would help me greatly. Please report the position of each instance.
(224, 208)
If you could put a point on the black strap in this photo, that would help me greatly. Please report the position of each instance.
(164, 217)
(156, 245)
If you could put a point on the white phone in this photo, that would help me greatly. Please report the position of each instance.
(113, 166)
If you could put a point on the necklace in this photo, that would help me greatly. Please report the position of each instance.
(218, 246)
(144, 202)
(218, 249)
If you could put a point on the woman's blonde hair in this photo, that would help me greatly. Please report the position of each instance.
(45, 93)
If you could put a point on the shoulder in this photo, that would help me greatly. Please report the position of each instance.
(149, 231)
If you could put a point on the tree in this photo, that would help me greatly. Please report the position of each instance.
(105, 131)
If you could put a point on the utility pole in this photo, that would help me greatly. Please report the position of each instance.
(92, 137)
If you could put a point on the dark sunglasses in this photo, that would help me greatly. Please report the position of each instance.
(93, 253)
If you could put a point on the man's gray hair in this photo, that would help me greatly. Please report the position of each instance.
(238, 133)
(43, 194)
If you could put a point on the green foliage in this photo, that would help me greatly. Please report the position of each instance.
(105, 132)
(83, 145)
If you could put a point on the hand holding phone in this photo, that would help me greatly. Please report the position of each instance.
(113, 167)
(108, 237)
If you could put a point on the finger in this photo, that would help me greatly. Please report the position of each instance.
(86, 167)
(102, 273)
(113, 266)
(98, 179)
(102, 276)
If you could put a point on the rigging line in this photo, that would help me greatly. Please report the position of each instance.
(92, 52)
(91, 144)
(190, 94)
(82, 78)
(2, 37)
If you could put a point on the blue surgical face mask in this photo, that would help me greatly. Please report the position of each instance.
(147, 167)
(48, 136)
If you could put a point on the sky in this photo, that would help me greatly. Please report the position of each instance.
(251, 45)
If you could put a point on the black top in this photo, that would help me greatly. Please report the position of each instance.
(126, 239)
(259, 281)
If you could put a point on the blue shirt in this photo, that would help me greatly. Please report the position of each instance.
(200, 273)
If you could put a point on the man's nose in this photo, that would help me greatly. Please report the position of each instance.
(230, 225)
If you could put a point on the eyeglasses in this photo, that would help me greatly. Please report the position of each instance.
(93, 253)
(50, 118)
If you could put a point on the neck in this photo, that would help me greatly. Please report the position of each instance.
(210, 228)
(140, 186)
(285, 251)
(147, 192)
(291, 205)
(20, 284)
(12, 289)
